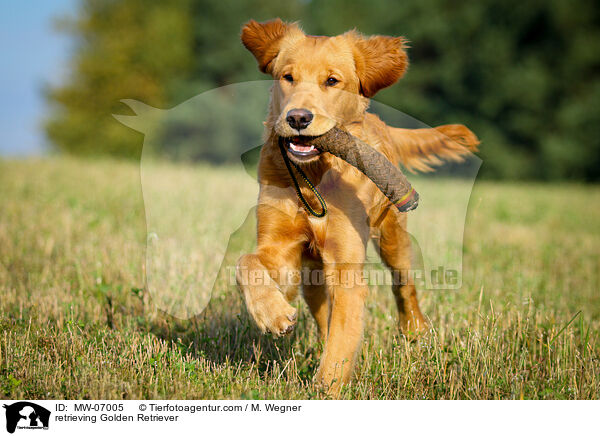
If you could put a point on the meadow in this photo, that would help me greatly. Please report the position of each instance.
(77, 321)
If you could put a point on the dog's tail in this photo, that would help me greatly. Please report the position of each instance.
(423, 149)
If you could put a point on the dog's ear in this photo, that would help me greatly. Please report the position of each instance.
(264, 39)
(380, 61)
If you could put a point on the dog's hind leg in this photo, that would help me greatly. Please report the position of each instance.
(394, 247)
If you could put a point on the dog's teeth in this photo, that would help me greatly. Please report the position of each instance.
(301, 148)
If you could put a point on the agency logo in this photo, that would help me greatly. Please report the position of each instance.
(26, 415)
(188, 256)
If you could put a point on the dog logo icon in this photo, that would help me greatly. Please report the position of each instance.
(26, 415)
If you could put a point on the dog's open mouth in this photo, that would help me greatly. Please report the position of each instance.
(298, 147)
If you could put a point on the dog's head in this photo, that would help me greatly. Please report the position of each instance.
(320, 82)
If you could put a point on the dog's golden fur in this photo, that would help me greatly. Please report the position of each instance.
(333, 78)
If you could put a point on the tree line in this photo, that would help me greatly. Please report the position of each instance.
(523, 75)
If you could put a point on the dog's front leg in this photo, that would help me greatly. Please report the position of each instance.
(347, 301)
(266, 290)
(269, 278)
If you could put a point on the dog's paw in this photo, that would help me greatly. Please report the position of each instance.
(327, 382)
(413, 326)
(273, 314)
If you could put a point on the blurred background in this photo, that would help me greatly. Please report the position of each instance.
(524, 75)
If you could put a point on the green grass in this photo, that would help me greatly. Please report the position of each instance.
(76, 321)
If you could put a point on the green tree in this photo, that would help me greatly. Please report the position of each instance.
(523, 75)
(160, 53)
(124, 49)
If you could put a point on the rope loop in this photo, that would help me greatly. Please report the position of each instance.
(312, 187)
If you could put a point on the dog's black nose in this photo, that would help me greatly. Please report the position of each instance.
(299, 118)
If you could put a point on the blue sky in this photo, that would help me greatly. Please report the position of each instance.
(32, 54)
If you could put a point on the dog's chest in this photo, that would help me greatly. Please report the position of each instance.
(346, 219)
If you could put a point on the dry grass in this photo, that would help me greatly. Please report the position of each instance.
(76, 321)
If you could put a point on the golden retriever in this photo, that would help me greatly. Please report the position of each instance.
(322, 82)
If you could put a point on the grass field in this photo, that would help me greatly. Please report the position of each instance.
(76, 321)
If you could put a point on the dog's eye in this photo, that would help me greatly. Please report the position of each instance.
(288, 78)
(332, 81)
